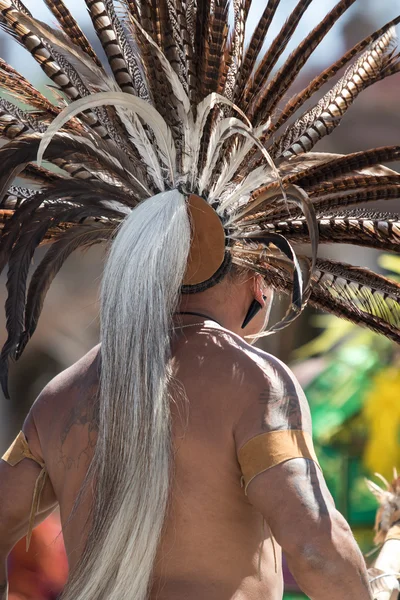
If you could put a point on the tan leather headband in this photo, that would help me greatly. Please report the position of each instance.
(269, 449)
(207, 249)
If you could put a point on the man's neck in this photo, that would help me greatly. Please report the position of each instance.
(223, 316)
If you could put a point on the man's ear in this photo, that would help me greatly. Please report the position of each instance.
(259, 289)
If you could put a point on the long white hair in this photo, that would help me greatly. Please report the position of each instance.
(131, 464)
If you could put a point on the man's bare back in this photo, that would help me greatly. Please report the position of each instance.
(215, 543)
(212, 539)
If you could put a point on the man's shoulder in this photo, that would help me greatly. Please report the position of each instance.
(69, 384)
(230, 351)
(269, 395)
(65, 394)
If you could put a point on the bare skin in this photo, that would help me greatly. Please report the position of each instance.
(213, 533)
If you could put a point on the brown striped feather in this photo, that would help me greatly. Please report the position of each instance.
(230, 90)
(215, 44)
(330, 202)
(299, 99)
(357, 227)
(351, 293)
(120, 56)
(42, 54)
(14, 83)
(82, 237)
(326, 115)
(71, 27)
(264, 103)
(344, 165)
(255, 45)
(271, 57)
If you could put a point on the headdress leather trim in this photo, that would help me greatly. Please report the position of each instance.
(207, 251)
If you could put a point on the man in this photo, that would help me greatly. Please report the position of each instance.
(214, 543)
(181, 457)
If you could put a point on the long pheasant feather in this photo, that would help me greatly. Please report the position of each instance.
(71, 27)
(264, 69)
(77, 237)
(269, 97)
(256, 42)
(299, 99)
(357, 227)
(322, 119)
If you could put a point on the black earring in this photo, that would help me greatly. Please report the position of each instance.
(254, 309)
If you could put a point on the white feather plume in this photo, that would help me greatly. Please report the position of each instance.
(139, 138)
(236, 158)
(221, 132)
(241, 192)
(203, 110)
(184, 109)
(148, 113)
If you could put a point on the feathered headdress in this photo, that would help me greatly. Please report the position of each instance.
(187, 105)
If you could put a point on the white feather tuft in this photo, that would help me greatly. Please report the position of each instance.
(235, 160)
(221, 132)
(203, 110)
(383, 479)
(147, 112)
(374, 488)
(254, 180)
(139, 138)
(184, 108)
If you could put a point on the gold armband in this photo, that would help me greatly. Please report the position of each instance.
(269, 449)
(19, 450)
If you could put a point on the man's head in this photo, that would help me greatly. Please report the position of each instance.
(229, 301)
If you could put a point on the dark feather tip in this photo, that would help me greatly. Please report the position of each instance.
(4, 378)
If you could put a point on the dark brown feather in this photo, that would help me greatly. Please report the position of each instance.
(271, 57)
(352, 293)
(359, 295)
(14, 83)
(372, 193)
(176, 44)
(45, 56)
(360, 228)
(236, 50)
(344, 165)
(217, 31)
(74, 238)
(255, 45)
(352, 182)
(326, 115)
(265, 102)
(19, 262)
(203, 13)
(299, 99)
(123, 62)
